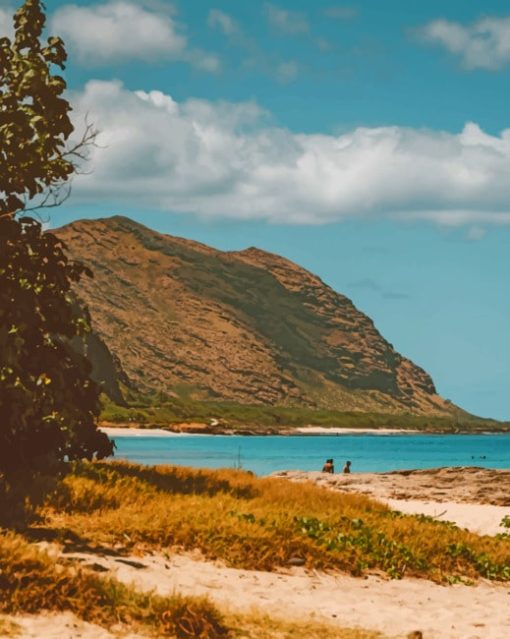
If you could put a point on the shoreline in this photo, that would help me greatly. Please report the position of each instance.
(303, 431)
(124, 430)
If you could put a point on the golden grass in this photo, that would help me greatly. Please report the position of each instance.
(264, 523)
(31, 581)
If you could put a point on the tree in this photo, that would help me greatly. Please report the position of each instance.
(48, 403)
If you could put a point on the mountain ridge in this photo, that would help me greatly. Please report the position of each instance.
(185, 319)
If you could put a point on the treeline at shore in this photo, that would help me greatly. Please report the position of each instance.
(147, 412)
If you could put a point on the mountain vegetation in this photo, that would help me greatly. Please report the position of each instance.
(181, 320)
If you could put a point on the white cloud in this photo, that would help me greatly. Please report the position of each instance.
(226, 160)
(255, 58)
(292, 22)
(287, 71)
(484, 44)
(120, 30)
(203, 60)
(219, 20)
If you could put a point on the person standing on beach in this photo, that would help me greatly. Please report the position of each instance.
(328, 466)
(347, 467)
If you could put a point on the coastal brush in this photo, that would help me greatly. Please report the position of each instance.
(255, 523)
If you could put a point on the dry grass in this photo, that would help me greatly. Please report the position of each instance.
(8, 628)
(258, 626)
(264, 523)
(31, 581)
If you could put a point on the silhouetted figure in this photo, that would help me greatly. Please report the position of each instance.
(328, 466)
(347, 467)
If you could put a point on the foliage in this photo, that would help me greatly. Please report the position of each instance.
(48, 405)
(146, 413)
(34, 118)
(263, 523)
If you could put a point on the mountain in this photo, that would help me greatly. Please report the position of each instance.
(175, 316)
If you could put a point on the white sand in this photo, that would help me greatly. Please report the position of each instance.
(396, 608)
(123, 431)
(61, 626)
(483, 519)
(142, 432)
(392, 607)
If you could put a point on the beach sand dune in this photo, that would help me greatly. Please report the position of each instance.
(393, 607)
(63, 625)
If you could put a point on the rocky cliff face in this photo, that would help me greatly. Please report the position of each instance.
(248, 326)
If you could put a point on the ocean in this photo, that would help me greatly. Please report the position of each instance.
(367, 452)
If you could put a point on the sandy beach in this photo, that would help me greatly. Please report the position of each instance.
(180, 430)
(393, 607)
(474, 498)
(60, 626)
(140, 432)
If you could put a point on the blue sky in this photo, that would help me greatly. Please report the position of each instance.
(368, 141)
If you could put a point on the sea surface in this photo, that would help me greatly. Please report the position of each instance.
(367, 452)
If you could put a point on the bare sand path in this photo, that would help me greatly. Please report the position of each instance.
(393, 607)
(63, 625)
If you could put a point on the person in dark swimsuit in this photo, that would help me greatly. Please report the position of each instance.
(328, 466)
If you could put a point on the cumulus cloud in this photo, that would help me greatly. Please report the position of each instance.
(226, 160)
(120, 30)
(484, 44)
(291, 22)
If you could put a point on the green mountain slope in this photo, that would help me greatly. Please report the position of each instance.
(250, 327)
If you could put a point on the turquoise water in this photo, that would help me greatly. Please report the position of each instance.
(368, 453)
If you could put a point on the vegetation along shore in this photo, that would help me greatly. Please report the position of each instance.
(226, 418)
(108, 534)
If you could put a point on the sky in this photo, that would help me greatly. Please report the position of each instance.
(368, 141)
